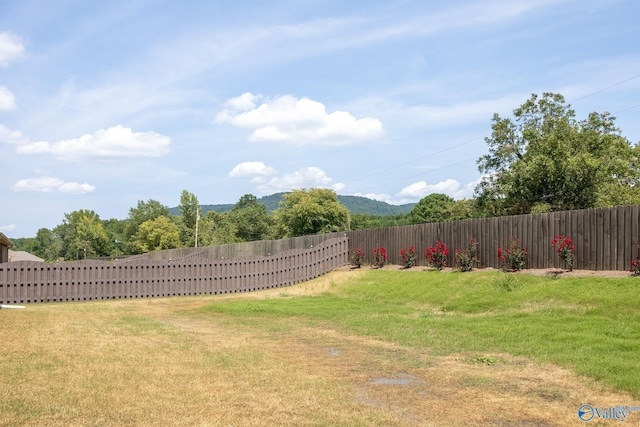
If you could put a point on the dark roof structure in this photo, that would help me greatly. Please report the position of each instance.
(5, 244)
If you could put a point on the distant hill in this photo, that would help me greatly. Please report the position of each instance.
(355, 204)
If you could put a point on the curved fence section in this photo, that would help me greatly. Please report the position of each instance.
(36, 282)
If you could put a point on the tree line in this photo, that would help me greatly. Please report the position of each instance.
(541, 159)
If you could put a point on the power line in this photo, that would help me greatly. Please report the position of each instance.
(421, 174)
(626, 109)
(606, 88)
(417, 160)
(477, 138)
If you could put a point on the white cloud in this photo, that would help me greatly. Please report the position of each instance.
(115, 142)
(338, 186)
(75, 188)
(310, 177)
(11, 48)
(251, 169)
(12, 136)
(245, 102)
(9, 227)
(379, 197)
(7, 100)
(421, 189)
(48, 184)
(289, 120)
(450, 187)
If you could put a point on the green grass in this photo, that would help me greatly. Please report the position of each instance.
(590, 325)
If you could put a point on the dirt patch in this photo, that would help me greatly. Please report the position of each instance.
(549, 272)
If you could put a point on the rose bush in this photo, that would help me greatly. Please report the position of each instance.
(467, 257)
(513, 258)
(437, 255)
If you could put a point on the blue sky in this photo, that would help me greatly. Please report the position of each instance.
(103, 104)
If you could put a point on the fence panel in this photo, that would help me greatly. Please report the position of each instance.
(605, 239)
(144, 277)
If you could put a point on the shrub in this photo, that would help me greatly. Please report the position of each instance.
(635, 264)
(408, 257)
(357, 258)
(379, 257)
(437, 256)
(565, 249)
(467, 257)
(512, 259)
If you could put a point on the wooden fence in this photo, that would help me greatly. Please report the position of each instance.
(237, 250)
(33, 282)
(604, 239)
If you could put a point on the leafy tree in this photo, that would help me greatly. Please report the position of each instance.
(115, 229)
(144, 211)
(545, 160)
(365, 221)
(463, 209)
(218, 229)
(190, 214)
(157, 234)
(432, 208)
(46, 245)
(251, 219)
(82, 235)
(314, 211)
(23, 244)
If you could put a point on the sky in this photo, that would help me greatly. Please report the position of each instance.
(104, 104)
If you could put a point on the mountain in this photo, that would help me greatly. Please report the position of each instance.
(355, 204)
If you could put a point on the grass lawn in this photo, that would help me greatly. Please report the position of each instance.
(350, 348)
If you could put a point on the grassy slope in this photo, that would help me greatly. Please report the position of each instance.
(587, 324)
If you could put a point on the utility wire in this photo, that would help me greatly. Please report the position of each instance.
(606, 88)
(417, 160)
(477, 138)
(422, 173)
(626, 109)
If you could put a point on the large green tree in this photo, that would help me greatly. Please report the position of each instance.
(46, 245)
(313, 211)
(218, 229)
(144, 211)
(83, 235)
(157, 234)
(544, 159)
(190, 214)
(251, 219)
(432, 208)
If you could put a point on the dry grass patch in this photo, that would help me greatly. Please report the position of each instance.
(165, 362)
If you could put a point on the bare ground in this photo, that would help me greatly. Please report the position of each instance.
(397, 385)
(292, 374)
(552, 272)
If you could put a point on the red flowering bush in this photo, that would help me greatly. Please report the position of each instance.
(512, 259)
(408, 257)
(379, 257)
(357, 258)
(635, 264)
(467, 257)
(565, 249)
(437, 256)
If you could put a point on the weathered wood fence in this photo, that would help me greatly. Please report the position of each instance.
(33, 282)
(237, 250)
(604, 239)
